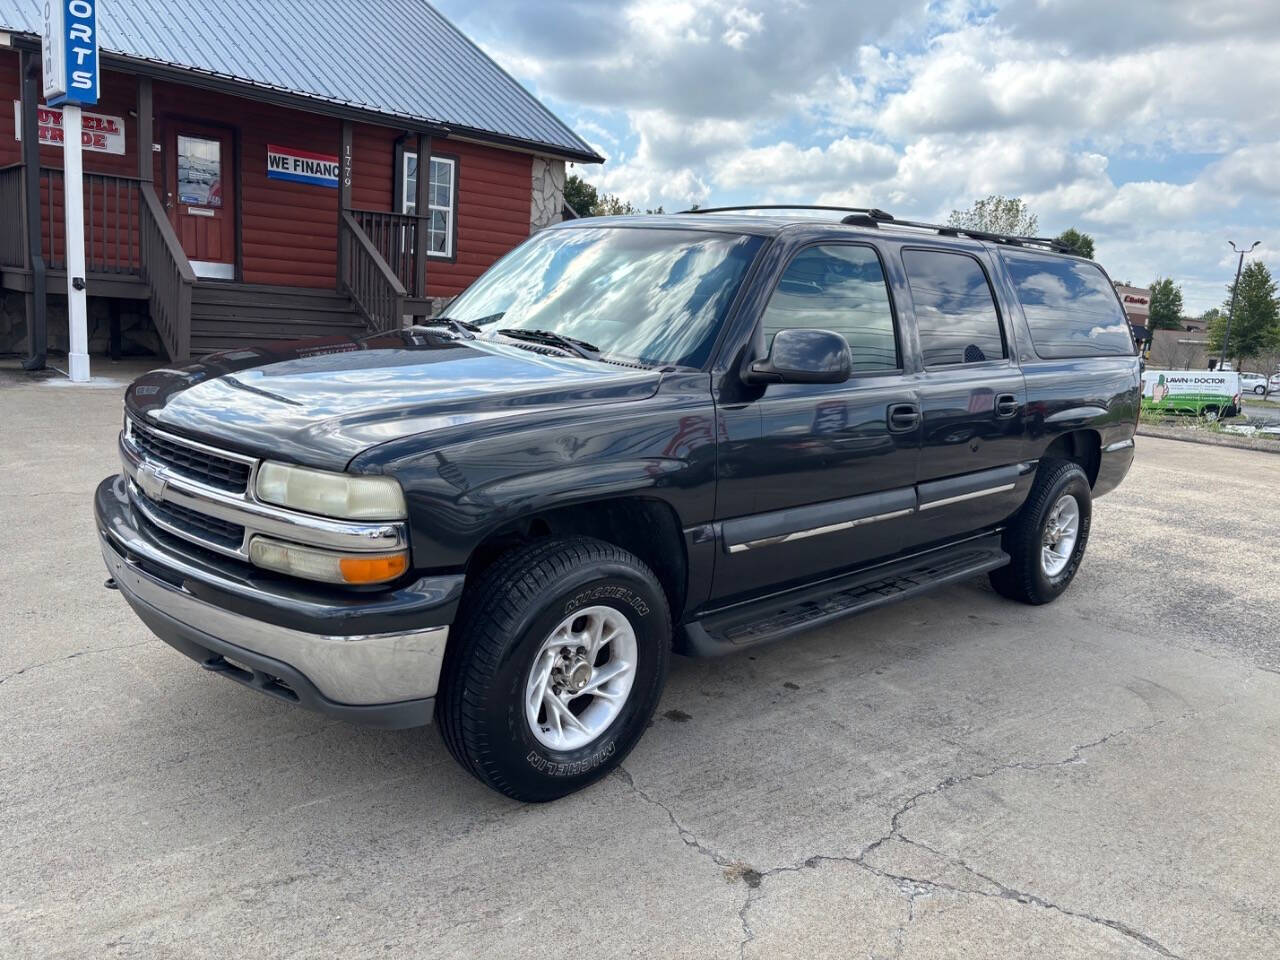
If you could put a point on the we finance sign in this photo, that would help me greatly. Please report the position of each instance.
(302, 166)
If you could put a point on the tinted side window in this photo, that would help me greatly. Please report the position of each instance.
(1071, 308)
(837, 287)
(955, 309)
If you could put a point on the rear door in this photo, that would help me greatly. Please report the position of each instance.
(973, 399)
(815, 478)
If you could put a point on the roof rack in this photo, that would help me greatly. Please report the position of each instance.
(870, 212)
(874, 217)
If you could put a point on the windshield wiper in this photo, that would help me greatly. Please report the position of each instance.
(460, 327)
(572, 345)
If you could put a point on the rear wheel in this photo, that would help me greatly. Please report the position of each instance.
(1046, 540)
(554, 667)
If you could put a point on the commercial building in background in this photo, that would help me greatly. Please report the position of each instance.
(249, 180)
(1137, 308)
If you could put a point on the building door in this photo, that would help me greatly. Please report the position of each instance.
(200, 197)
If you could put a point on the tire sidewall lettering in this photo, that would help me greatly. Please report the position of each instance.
(550, 767)
(624, 596)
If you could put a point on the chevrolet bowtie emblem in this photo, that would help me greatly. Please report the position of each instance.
(152, 484)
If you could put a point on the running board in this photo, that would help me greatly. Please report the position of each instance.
(761, 621)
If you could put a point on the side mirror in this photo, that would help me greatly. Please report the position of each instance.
(803, 356)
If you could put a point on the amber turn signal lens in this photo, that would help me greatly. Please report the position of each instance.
(326, 565)
(373, 569)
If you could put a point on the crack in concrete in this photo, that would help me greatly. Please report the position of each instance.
(70, 656)
(747, 933)
(1005, 892)
(915, 887)
(690, 839)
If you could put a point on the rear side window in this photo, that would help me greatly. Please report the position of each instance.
(837, 287)
(955, 309)
(1071, 308)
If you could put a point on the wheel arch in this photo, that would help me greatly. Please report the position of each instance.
(1081, 446)
(647, 527)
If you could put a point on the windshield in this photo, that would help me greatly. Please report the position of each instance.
(651, 296)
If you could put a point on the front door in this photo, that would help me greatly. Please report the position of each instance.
(200, 197)
(816, 478)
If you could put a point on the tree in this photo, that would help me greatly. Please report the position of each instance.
(587, 201)
(1078, 243)
(1166, 305)
(996, 214)
(611, 206)
(580, 195)
(1255, 327)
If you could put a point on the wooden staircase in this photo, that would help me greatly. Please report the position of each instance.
(225, 315)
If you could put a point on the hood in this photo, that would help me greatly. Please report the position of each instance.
(321, 402)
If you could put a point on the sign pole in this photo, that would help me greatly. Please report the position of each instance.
(73, 203)
(69, 61)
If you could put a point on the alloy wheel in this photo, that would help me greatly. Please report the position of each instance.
(580, 678)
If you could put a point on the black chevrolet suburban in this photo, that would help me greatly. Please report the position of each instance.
(630, 437)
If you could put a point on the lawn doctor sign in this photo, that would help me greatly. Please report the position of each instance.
(1200, 392)
(69, 61)
(302, 166)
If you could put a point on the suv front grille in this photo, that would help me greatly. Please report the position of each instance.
(197, 526)
(202, 466)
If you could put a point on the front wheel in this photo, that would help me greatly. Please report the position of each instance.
(1047, 538)
(554, 667)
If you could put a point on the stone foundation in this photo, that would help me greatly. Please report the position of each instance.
(138, 337)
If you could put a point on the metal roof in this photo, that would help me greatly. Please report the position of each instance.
(398, 58)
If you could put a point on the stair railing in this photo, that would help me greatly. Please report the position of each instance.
(366, 276)
(168, 274)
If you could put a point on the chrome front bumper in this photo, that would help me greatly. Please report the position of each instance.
(382, 679)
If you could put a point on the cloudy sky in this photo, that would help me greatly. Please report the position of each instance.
(1153, 125)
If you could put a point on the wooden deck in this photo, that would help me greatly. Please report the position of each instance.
(134, 254)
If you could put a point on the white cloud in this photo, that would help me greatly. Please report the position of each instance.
(1152, 124)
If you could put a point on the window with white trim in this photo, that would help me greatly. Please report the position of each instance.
(441, 196)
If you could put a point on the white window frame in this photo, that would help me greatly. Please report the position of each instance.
(408, 199)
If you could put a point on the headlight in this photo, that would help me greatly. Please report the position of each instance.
(342, 495)
(326, 565)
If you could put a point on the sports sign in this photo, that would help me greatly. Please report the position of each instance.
(69, 51)
(98, 132)
(302, 166)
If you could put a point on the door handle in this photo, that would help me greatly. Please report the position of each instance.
(903, 417)
(1006, 405)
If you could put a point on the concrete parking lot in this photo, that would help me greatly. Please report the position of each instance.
(956, 776)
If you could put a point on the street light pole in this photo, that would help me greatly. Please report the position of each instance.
(1231, 310)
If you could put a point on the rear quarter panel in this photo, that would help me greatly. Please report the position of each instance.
(1097, 393)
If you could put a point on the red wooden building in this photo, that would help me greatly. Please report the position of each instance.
(248, 179)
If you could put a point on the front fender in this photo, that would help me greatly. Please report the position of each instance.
(460, 492)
